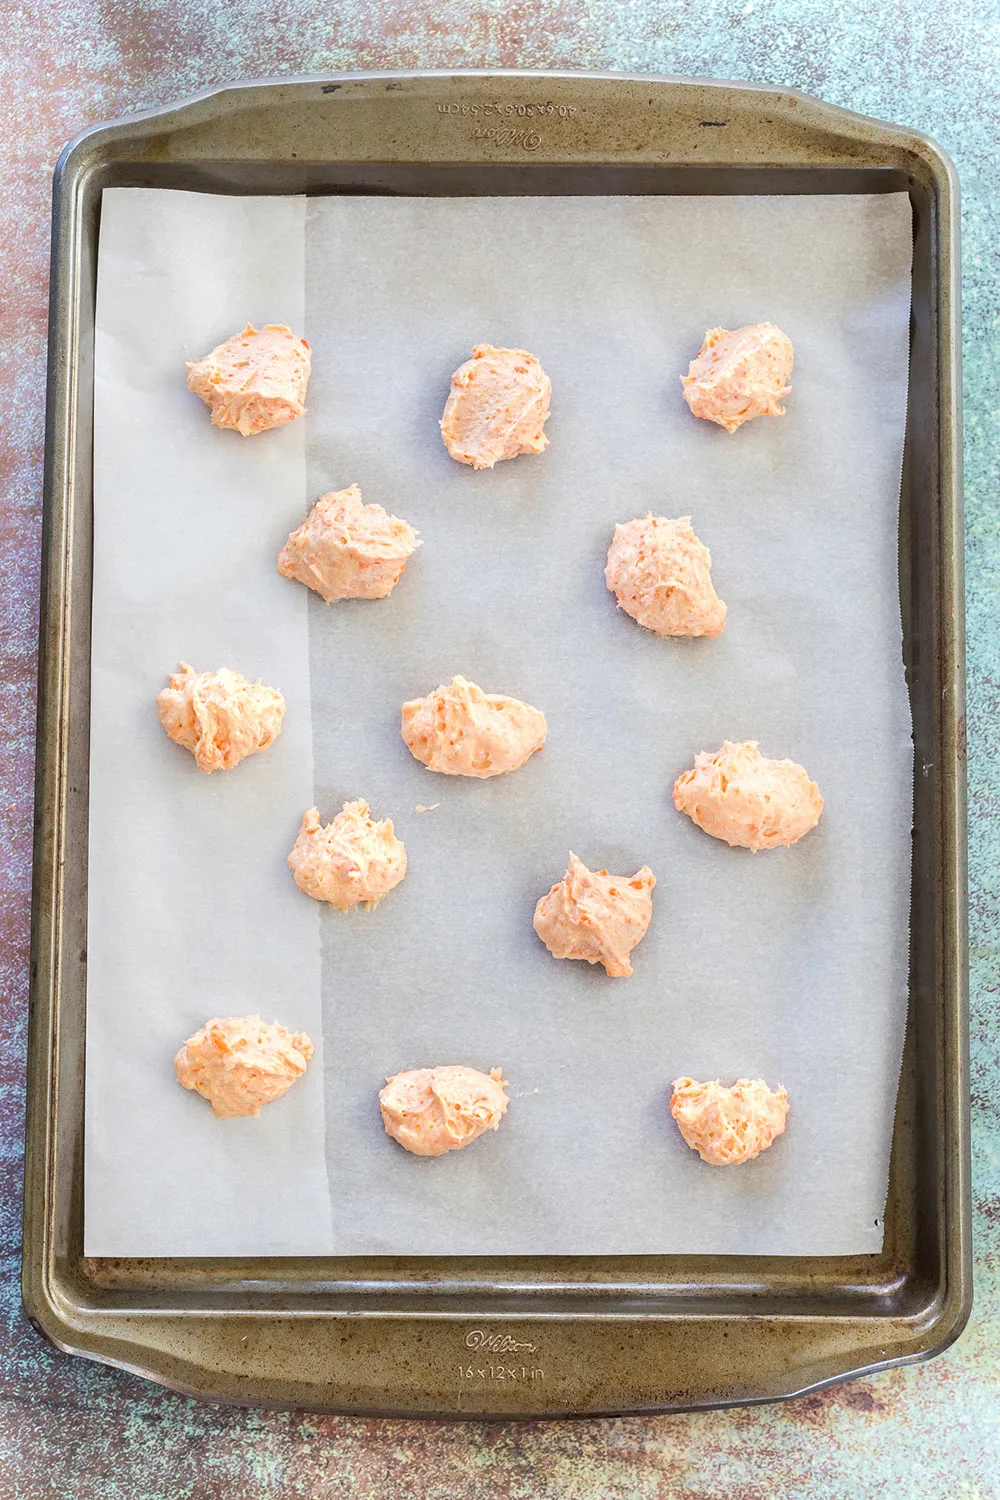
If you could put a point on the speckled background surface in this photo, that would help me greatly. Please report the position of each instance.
(68, 1428)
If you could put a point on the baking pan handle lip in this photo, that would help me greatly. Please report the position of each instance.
(814, 111)
(182, 1377)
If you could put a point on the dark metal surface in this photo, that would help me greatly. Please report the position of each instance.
(600, 1335)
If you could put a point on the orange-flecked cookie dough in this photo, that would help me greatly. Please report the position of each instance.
(750, 802)
(595, 916)
(728, 1125)
(255, 380)
(659, 572)
(239, 1063)
(498, 405)
(739, 375)
(461, 731)
(345, 549)
(353, 861)
(219, 716)
(433, 1110)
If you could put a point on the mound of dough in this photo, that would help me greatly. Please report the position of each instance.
(255, 380)
(352, 861)
(728, 1125)
(659, 572)
(239, 1063)
(498, 405)
(750, 802)
(433, 1110)
(739, 375)
(461, 731)
(219, 716)
(595, 916)
(345, 549)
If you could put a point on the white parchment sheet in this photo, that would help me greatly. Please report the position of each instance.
(191, 914)
(789, 965)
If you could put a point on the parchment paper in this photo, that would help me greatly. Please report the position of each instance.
(788, 965)
(191, 914)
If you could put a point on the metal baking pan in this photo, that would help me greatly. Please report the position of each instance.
(482, 1336)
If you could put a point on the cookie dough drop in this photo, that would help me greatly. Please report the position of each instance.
(498, 405)
(353, 861)
(748, 801)
(595, 916)
(461, 731)
(219, 716)
(739, 375)
(345, 549)
(728, 1125)
(239, 1063)
(255, 380)
(660, 574)
(433, 1110)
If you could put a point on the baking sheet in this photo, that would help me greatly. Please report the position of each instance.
(788, 965)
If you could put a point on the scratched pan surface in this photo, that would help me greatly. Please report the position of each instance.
(515, 1337)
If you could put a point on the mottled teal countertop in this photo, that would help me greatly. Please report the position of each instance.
(68, 1428)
